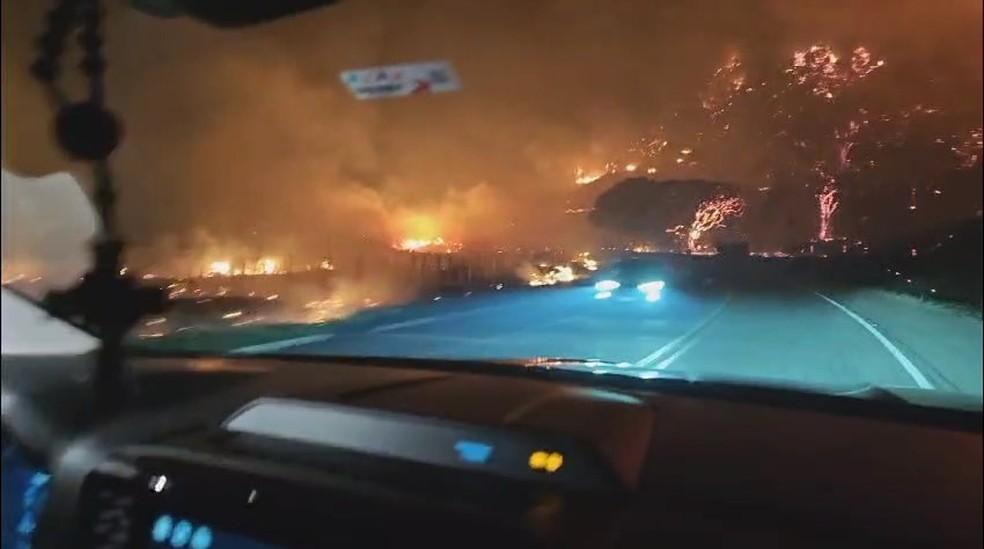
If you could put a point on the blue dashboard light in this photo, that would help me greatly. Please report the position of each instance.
(34, 497)
(181, 534)
(472, 451)
(162, 528)
(202, 538)
(25, 493)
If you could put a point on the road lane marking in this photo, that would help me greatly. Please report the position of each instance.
(910, 368)
(655, 355)
(644, 361)
(672, 358)
(444, 338)
(281, 344)
(436, 318)
(404, 324)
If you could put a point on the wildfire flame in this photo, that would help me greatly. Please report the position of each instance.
(826, 73)
(219, 268)
(710, 214)
(262, 266)
(422, 233)
(417, 244)
(267, 266)
(728, 80)
(585, 260)
(582, 177)
(829, 201)
(546, 274)
(437, 244)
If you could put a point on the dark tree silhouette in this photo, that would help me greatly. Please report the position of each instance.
(647, 208)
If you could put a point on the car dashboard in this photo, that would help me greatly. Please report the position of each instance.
(260, 452)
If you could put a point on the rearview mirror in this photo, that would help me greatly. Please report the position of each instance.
(228, 13)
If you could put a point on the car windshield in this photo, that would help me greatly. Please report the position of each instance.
(759, 191)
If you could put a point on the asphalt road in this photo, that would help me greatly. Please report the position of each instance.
(794, 334)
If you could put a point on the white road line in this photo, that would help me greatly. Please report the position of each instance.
(445, 338)
(910, 368)
(672, 358)
(644, 361)
(281, 344)
(652, 357)
(404, 324)
(437, 318)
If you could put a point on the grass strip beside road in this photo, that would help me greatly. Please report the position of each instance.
(221, 340)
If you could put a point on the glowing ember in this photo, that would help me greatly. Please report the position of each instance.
(727, 81)
(828, 200)
(648, 147)
(968, 149)
(861, 63)
(545, 274)
(825, 73)
(710, 214)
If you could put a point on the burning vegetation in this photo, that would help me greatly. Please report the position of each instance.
(853, 137)
(710, 215)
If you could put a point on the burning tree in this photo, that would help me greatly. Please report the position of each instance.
(834, 121)
(828, 125)
(818, 114)
(711, 214)
(682, 209)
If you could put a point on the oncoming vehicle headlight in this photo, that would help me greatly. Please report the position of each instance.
(651, 286)
(607, 285)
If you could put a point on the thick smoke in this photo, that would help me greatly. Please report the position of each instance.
(248, 138)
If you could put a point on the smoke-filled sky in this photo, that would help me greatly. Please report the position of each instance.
(249, 136)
